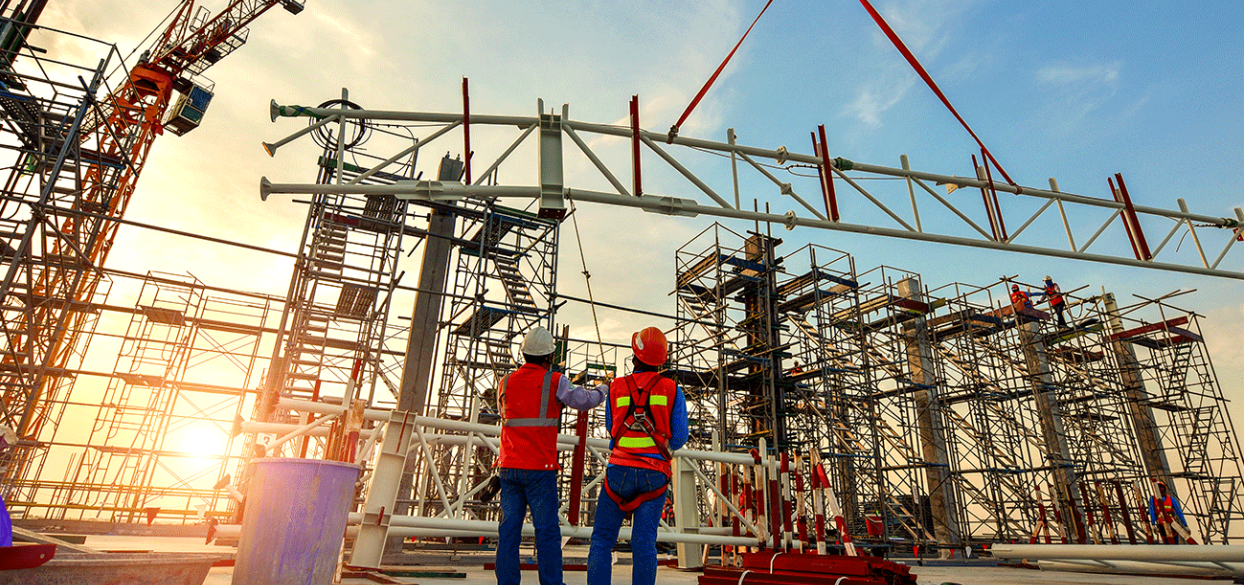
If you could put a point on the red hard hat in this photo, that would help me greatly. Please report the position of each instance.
(650, 346)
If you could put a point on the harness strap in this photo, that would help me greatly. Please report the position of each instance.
(635, 501)
(645, 391)
(539, 421)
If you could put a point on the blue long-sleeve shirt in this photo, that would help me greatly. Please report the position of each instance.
(679, 430)
(1153, 512)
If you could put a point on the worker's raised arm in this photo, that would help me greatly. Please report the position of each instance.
(679, 422)
(579, 397)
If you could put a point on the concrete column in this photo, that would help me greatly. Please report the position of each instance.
(1148, 438)
(424, 321)
(1045, 396)
(421, 347)
(928, 416)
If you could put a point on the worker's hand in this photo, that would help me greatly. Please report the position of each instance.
(578, 378)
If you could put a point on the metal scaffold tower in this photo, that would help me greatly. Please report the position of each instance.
(51, 285)
(725, 349)
(796, 344)
(161, 436)
(504, 284)
(1001, 419)
(335, 344)
(1177, 403)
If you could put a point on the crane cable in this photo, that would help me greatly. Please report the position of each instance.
(703, 90)
(928, 80)
(587, 278)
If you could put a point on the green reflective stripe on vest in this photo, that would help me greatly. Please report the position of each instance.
(636, 442)
(656, 399)
(624, 401)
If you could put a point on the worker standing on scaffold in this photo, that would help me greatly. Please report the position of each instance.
(1164, 510)
(1054, 295)
(530, 401)
(1019, 298)
(648, 421)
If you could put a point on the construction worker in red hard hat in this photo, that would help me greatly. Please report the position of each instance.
(1019, 298)
(530, 400)
(647, 416)
(1164, 511)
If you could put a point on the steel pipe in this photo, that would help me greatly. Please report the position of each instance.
(1146, 568)
(604, 129)
(434, 191)
(1137, 552)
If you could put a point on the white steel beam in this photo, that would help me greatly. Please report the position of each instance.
(960, 232)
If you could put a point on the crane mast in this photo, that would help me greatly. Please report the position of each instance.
(108, 145)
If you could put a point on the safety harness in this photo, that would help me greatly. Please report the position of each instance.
(638, 418)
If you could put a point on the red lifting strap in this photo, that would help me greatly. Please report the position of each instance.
(709, 83)
(928, 80)
(635, 501)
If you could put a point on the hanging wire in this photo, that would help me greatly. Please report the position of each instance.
(587, 278)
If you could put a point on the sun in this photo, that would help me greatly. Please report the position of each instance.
(202, 441)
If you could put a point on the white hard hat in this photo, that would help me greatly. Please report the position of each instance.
(1047, 277)
(538, 342)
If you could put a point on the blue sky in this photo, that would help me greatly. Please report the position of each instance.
(1077, 91)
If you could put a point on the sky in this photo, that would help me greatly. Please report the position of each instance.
(1076, 91)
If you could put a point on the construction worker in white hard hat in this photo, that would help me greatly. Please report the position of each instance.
(530, 401)
(1054, 295)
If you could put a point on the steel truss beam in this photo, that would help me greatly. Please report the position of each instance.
(1069, 205)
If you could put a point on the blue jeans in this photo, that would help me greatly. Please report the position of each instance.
(520, 489)
(627, 482)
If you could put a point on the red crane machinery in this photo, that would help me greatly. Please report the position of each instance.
(54, 259)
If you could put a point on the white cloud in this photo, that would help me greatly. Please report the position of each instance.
(926, 29)
(1092, 75)
(873, 100)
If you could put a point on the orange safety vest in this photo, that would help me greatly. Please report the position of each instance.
(531, 415)
(1053, 294)
(1020, 298)
(1165, 508)
(651, 395)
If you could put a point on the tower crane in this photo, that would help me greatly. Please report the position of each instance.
(55, 264)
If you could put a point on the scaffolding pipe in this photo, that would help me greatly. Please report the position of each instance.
(1140, 552)
(414, 526)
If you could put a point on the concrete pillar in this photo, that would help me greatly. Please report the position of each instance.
(421, 346)
(1148, 438)
(928, 416)
(1045, 397)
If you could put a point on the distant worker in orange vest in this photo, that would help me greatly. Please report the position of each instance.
(1054, 295)
(1020, 298)
(1164, 511)
(530, 401)
(647, 416)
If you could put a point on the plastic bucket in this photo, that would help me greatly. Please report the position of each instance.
(294, 521)
(874, 525)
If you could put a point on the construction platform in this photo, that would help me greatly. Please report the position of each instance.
(970, 572)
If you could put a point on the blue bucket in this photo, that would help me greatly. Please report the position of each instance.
(294, 521)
